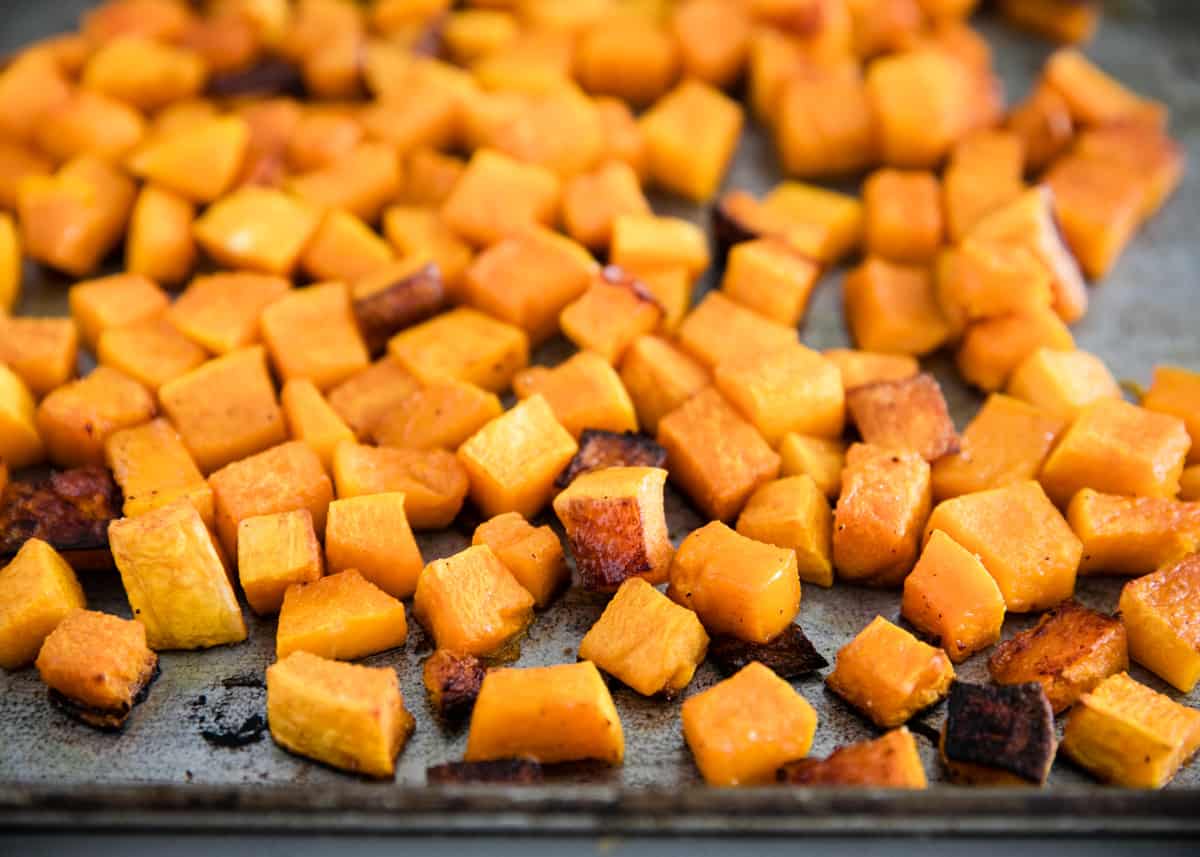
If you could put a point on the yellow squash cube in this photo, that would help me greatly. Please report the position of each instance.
(154, 469)
(433, 481)
(534, 555)
(220, 312)
(20, 443)
(659, 378)
(341, 617)
(584, 392)
(818, 457)
(97, 305)
(274, 552)
(372, 535)
(690, 135)
(769, 277)
(151, 352)
(311, 419)
(790, 389)
(43, 352)
(615, 310)
(1132, 535)
(159, 244)
(287, 329)
(821, 224)
(647, 242)
(1159, 612)
(718, 330)
(76, 419)
(893, 308)
(199, 162)
(465, 345)
(793, 513)
(257, 229)
(37, 591)
(860, 368)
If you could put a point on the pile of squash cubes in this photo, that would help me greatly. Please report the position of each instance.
(384, 207)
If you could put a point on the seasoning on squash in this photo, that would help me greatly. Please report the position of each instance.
(889, 761)
(1159, 614)
(910, 414)
(453, 682)
(341, 617)
(365, 398)
(39, 590)
(659, 378)
(462, 344)
(1132, 535)
(371, 534)
(534, 555)
(107, 302)
(220, 312)
(718, 329)
(998, 736)
(154, 469)
(274, 552)
(76, 419)
(743, 729)
(893, 309)
(793, 513)
(42, 352)
(889, 675)
(433, 481)
(440, 415)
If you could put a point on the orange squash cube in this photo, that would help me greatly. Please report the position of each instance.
(820, 458)
(823, 225)
(259, 229)
(120, 299)
(627, 56)
(199, 162)
(39, 590)
(615, 310)
(319, 138)
(473, 33)
(1158, 611)
(441, 415)
(335, 355)
(921, 101)
(558, 129)
(893, 308)
(1022, 540)
(371, 534)
(1118, 448)
(1176, 391)
(659, 378)
(154, 469)
(151, 352)
(1140, 148)
(463, 345)
(890, 761)
(432, 480)
(1007, 442)
(584, 392)
(1098, 206)
(42, 352)
(950, 596)
(311, 419)
(534, 555)
(690, 136)
(1094, 97)
(993, 348)
(341, 617)
(718, 330)
(89, 122)
(471, 603)
(512, 461)
(159, 245)
(736, 585)
(714, 455)
(344, 248)
(1132, 535)
(1059, 20)
(498, 196)
(1043, 124)
(18, 161)
(593, 201)
(647, 242)
(365, 398)
(984, 279)
(793, 513)
(767, 276)
(859, 368)
(904, 221)
(413, 118)
(528, 278)
(30, 86)
(76, 419)
(418, 232)
(713, 39)
(889, 675)
(909, 414)
(362, 182)
(550, 714)
(623, 137)
(20, 443)
(825, 125)
(877, 522)
(645, 640)
(221, 311)
(430, 176)
(984, 174)
(743, 729)
(274, 552)
(241, 419)
(144, 73)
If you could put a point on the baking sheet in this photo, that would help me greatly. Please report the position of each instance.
(195, 753)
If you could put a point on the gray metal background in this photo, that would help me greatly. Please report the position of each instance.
(162, 771)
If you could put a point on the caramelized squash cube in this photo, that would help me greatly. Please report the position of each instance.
(471, 603)
(993, 348)
(592, 202)
(1117, 448)
(326, 360)
(599, 449)
(1140, 148)
(691, 134)
(257, 229)
(348, 716)
(462, 344)
(534, 555)
(719, 330)
(175, 579)
(420, 233)
(736, 585)
(221, 311)
(221, 427)
(767, 276)
(396, 295)
(584, 392)
(341, 617)
(160, 245)
(76, 419)
(365, 398)
(453, 682)
(893, 309)
(144, 73)
(741, 730)
(344, 248)
(820, 458)
(200, 162)
(1159, 614)
(39, 591)
(433, 481)
(152, 352)
(512, 461)
(371, 534)
(1132, 535)
(42, 352)
(713, 38)
(889, 675)
(1127, 734)
(890, 761)
(274, 552)
(950, 596)
(860, 368)
(1001, 736)
(441, 415)
(615, 310)
(616, 525)
(904, 221)
(560, 713)
(120, 299)
(659, 378)
(793, 513)
(790, 389)
(921, 100)
(498, 196)
(1176, 391)
(311, 419)
(154, 469)
(20, 443)
(910, 414)
(1022, 540)
(627, 56)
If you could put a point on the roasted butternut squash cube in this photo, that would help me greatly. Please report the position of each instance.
(984, 174)
(430, 176)
(528, 278)
(690, 137)
(1137, 148)
(257, 229)
(335, 355)
(998, 736)
(558, 129)
(627, 56)
(411, 118)
(793, 513)
(1043, 124)
(1127, 734)
(97, 667)
(144, 73)
(767, 276)
(311, 419)
(1176, 391)
(978, 280)
(1117, 448)
(534, 555)
(462, 344)
(616, 525)
(825, 125)
(453, 682)
(909, 414)
(615, 310)
(221, 311)
(98, 305)
(1132, 535)
(39, 590)
(433, 481)
(599, 449)
(76, 419)
(306, 694)
(175, 579)
(320, 137)
(1007, 442)
(822, 224)
(1060, 20)
(659, 377)
(498, 196)
(199, 162)
(344, 248)
(1159, 612)
(859, 368)
(341, 617)
(1093, 96)
(890, 761)
(648, 242)
(274, 552)
(225, 410)
(362, 182)
(160, 245)
(365, 398)
(921, 101)
(418, 233)
(889, 675)
(1022, 540)
(280, 479)
(550, 714)
(30, 86)
(713, 39)
(1098, 206)
(371, 534)
(993, 348)
(11, 271)
(583, 392)
(883, 505)
(718, 330)
(904, 221)
(820, 458)
(736, 585)
(20, 443)
(624, 139)
(471, 603)
(89, 122)
(42, 352)
(152, 352)
(743, 729)
(154, 469)
(17, 161)
(893, 308)
(592, 202)
(394, 296)
(441, 415)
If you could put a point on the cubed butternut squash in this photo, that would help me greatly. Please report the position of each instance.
(151, 352)
(908, 414)
(1176, 391)
(17, 161)
(20, 443)
(825, 125)
(690, 136)
(1093, 96)
(420, 233)
(647, 242)
(984, 174)
(1132, 535)
(341, 617)
(76, 419)
(713, 38)
(1043, 124)
(453, 682)
(859, 368)
(498, 196)
(822, 224)
(372, 535)
(30, 86)
(893, 308)
(921, 101)
(998, 736)
(1060, 20)
(593, 201)
(39, 590)
(627, 56)
(107, 302)
(42, 352)
(144, 73)
(220, 312)
(433, 481)
(199, 162)
(993, 348)
(1159, 614)
(89, 122)
(366, 397)
(159, 244)
(659, 377)
(441, 415)
(326, 360)
(770, 278)
(11, 269)
(155, 469)
(820, 458)
(534, 555)
(890, 761)
(904, 221)
(978, 280)
(257, 229)
(344, 248)
(463, 344)
(614, 311)
(1098, 206)
(718, 329)
(362, 182)
(311, 419)
(793, 513)
(583, 392)
(274, 552)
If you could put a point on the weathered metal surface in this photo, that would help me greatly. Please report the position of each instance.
(195, 753)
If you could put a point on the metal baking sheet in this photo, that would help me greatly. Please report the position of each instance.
(194, 754)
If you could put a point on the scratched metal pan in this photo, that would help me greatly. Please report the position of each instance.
(195, 755)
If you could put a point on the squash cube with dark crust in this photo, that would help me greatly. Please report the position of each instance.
(599, 449)
(411, 299)
(97, 667)
(452, 681)
(70, 510)
(909, 414)
(998, 735)
(789, 654)
(616, 525)
(889, 762)
(1070, 651)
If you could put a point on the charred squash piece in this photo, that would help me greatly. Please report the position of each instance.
(512, 772)
(790, 654)
(452, 681)
(70, 510)
(1069, 651)
(1159, 612)
(909, 414)
(599, 449)
(998, 735)
(411, 299)
(888, 762)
